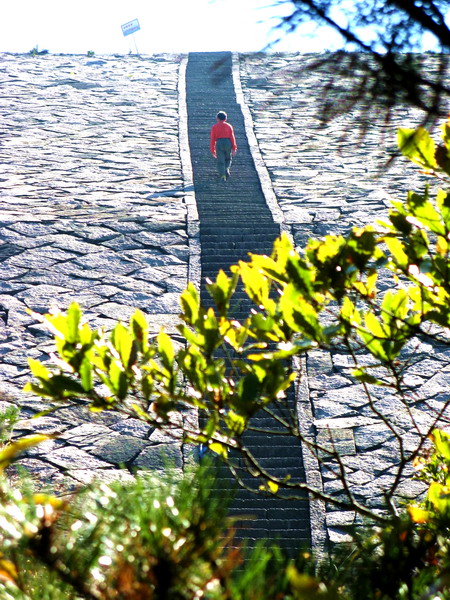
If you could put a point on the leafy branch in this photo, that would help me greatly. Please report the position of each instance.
(326, 297)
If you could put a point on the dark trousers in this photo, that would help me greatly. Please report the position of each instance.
(223, 152)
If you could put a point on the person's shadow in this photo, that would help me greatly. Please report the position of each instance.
(177, 190)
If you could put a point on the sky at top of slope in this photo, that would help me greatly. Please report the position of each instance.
(172, 26)
(165, 26)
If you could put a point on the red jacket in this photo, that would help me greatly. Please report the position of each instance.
(222, 129)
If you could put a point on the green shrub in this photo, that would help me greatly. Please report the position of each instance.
(164, 538)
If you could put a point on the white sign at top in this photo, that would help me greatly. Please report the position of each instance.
(130, 27)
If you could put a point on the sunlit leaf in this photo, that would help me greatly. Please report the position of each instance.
(235, 422)
(190, 304)
(439, 496)
(86, 375)
(117, 380)
(349, 312)
(219, 449)
(222, 290)
(12, 450)
(73, 322)
(38, 369)
(424, 213)
(441, 441)
(139, 329)
(418, 514)
(122, 342)
(442, 246)
(394, 305)
(166, 349)
(53, 501)
(397, 250)
(374, 326)
(418, 145)
(364, 377)
(8, 573)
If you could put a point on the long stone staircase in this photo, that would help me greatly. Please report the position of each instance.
(235, 220)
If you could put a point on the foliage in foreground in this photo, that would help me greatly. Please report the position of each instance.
(374, 295)
(159, 537)
(164, 538)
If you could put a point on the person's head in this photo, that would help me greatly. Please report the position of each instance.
(221, 115)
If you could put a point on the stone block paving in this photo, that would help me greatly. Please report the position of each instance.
(91, 209)
(328, 179)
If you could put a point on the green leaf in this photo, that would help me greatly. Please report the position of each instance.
(374, 326)
(262, 323)
(211, 425)
(190, 304)
(439, 497)
(349, 312)
(418, 146)
(57, 324)
(364, 377)
(211, 331)
(147, 386)
(249, 390)
(139, 330)
(374, 336)
(38, 370)
(193, 364)
(166, 350)
(62, 386)
(193, 338)
(235, 422)
(398, 251)
(39, 390)
(123, 343)
(282, 250)
(11, 451)
(441, 441)
(443, 151)
(300, 274)
(86, 374)
(118, 380)
(443, 204)
(257, 283)
(361, 247)
(442, 158)
(222, 290)
(87, 336)
(424, 212)
(400, 222)
(73, 323)
(299, 314)
(446, 133)
(394, 305)
(219, 449)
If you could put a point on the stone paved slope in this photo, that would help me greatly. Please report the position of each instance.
(92, 209)
(235, 220)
